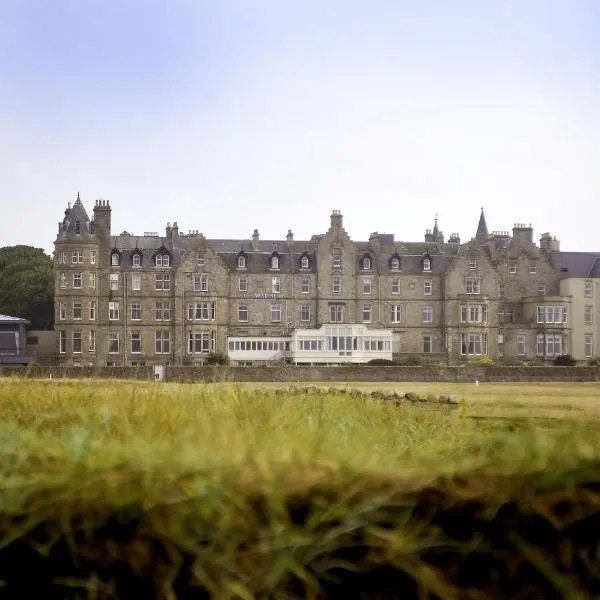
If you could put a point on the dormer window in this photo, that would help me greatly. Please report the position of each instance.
(426, 264)
(77, 227)
(395, 263)
(241, 261)
(136, 260)
(366, 263)
(304, 262)
(162, 260)
(275, 262)
(115, 259)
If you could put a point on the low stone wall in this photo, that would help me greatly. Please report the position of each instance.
(291, 374)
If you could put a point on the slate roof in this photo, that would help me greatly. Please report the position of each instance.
(577, 264)
(73, 215)
(8, 319)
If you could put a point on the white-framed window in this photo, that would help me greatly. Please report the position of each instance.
(62, 280)
(115, 259)
(473, 285)
(162, 342)
(93, 255)
(472, 264)
(367, 312)
(304, 262)
(276, 313)
(113, 311)
(473, 344)
(202, 311)
(337, 260)
(367, 285)
(77, 341)
(162, 260)
(427, 287)
(163, 282)
(77, 280)
(395, 264)
(426, 264)
(427, 314)
(539, 344)
(162, 311)
(200, 282)
(114, 281)
(366, 263)
(241, 261)
(473, 313)
(113, 342)
(274, 262)
(62, 311)
(395, 285)
(427, 344)
(62, 342)
(92, 340)
(77, 257)
(77, 310)
(136, 260)
(521, 344)
(502, 291)
(305, 313)
(533, 267)
(551, 314)
(336, 285)
(540, 289)
(336, 313)
(200, 260)
(512, 268)
(62, 257)
(243, 313)
(92, 310)
(588, 345)
(396, 313)
(201, 342)
(305, 288)
(136, 311)
(554, 345)
(136, 282)
(136, 342)
(243, 284)
(588, 315)
(92, 281)
(275, 285)
(588, 289)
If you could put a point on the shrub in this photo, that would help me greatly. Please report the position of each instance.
(217, 358)
(564, 360)
(409, 361)
(484, 361)
(380, 362)
(513, 362)
(594, 362)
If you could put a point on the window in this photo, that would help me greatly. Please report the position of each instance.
(427, 314)
(77, 227)
(62, 257)
(588, 345)
(113, 311)
(114, 281)
(512, 268)
(501, 291)
(200, 282)
(92, 281)
(276, 313)
(92, 340)
(336, 313)
(540, 289)
(473, 344)
(305, 313)
(473, 313)
(395, 285)
(336, 285)
(539, 344)
(162, 260)
(426, 264)
(136, 311)
(162, 311)
(588, 289)
(77, 311)
(366, 263)
(163, 282)
(62, 311)
(62, 342)
(77, 280)
(77, 341)
(551, 314)
(304, 264)
(521, 345)
(472, 264)
(243, 313)
(92, 310)
(241, 261)
(136, 342)
(366, 313)
(337, 260)
(396, 313)
(77, 257)
(200, 261)
(305, 285)
(200, 342)
(588, 315)
(115, 259)
(161, 342)
(427, 287)
(553, 345)
(473, 285)
(427, 344)
(202, 311)
(62, 280)
(532, 267)
(274, 262)
(93, 258)
(275, 285)
(243, 284)
(395, 264)
(136, 260)
(113, 342)
(136, 282)
(367, 285)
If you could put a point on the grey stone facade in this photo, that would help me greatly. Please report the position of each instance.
(173, 298)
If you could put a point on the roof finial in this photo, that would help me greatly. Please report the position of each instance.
(78, 201)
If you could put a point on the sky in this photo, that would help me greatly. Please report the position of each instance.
(231, 115)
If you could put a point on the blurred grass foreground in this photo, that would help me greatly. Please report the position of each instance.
(115, 489)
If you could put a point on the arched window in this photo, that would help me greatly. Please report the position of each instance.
(366, 263)
(162, 260)
(274, 262)
(395, 263)
(304, 262)
(115, 259)
(136, 260)
(426, 264)
(241, 261)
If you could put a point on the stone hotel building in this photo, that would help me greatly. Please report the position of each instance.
(173, 298)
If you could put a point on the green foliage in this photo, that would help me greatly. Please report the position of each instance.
(27, 285)
(484, 361)
(513, 362)
(409, 361)
(594, 362)
(217, 358)
(564, 360)
(380, 362)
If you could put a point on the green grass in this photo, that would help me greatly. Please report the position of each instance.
(254, 490)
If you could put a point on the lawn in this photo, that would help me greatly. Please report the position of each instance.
(132, 489)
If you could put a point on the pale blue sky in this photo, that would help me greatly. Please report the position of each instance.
(232, 115)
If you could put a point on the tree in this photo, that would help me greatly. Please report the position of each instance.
(27, 285)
